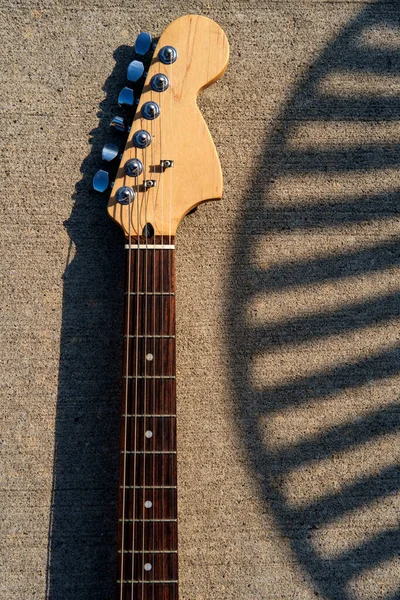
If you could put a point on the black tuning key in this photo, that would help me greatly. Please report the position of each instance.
(126, 97)
(118, 124)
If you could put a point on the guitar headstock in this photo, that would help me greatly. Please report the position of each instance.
(169, 164)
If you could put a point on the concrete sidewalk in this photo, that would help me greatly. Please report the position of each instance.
(288, 305)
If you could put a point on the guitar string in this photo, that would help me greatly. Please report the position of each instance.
(145, 275)
(159, 357)
(145, 354)
(162, 391)
(128, 266)
(169, 263)
(173, 382)
(136, 342)
(153, 349)
(155, 356)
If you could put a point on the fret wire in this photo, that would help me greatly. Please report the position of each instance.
(149, 294)
(148, 415)
(148, 451)
(148, 551)
(148, 487)
(150, 246)
(145, 336)
(148, 377)
(147, 581)
(148, 520)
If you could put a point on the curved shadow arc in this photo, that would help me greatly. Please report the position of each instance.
(260, 216)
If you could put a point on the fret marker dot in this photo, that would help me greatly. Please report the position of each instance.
(148, 504)
(149, 356)
(147, 567)
(149, 434)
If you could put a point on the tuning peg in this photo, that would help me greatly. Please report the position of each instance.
(109, 152)
(135, 70)
(168, 55)
(126, 97)
(143, 43)
(125, 195)
(101, 181)
(118, 124)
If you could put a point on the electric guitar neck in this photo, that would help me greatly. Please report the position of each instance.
(147, 527)
(168, 166)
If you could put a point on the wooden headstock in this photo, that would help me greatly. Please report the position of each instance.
(178, 134)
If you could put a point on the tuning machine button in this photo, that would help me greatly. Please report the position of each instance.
(133, 167)
(125, 195)
(141, 139)
(168, 55)
(118, 124)
(109, 152)
(101, 181)
(159, 82)
(143, 43)
(135, 70)
(126, 97)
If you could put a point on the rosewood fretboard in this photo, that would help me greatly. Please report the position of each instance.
(147, 530)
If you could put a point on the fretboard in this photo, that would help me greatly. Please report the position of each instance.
(147, 531)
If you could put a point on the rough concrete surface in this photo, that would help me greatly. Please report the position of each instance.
(288, 305)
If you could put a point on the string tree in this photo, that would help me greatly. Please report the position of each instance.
(149, 183)
(166, 164)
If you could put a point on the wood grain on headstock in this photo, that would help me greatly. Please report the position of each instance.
(179, 133)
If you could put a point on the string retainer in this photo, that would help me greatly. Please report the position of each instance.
(149, 183)
(166, 164)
